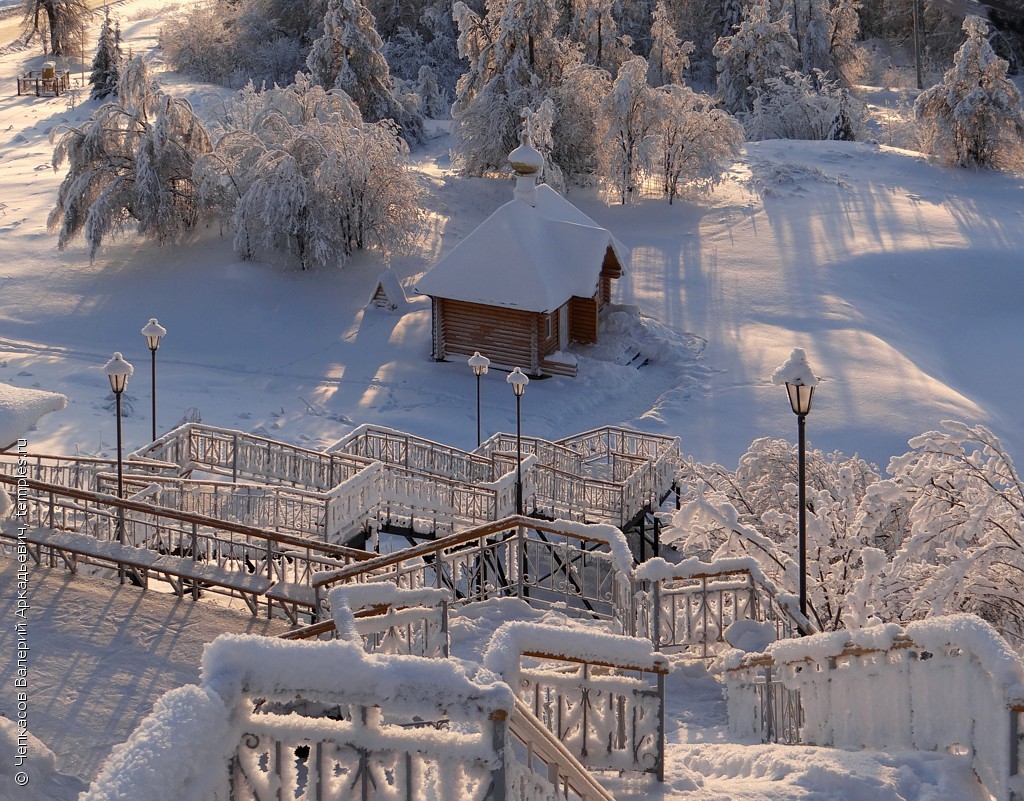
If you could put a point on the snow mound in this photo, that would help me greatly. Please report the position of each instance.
(20, 409)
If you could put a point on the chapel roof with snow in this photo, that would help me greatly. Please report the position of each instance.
(531, 256)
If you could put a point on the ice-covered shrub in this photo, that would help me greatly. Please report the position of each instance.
(797, 106)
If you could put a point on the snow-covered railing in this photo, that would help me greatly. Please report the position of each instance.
(193, 552)
(74, 471)
(392, 447)
(542, 769)
(501, 448)
(579, 566)
(602, 695)
(226, 452)
(688, 606)
(389, 619)
(263, 505)
(323, 720)
(433, 504)
(942, 684)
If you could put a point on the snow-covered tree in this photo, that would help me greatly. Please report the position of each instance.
(753, 511)
(514, 61)
(348, 56)
(844, 40)
(759, 50)
(799, 106)
(60, 24)
(695, 142)
(433, 103)
(537, 129)
(814, 35)
(593, 25)
(669, 57)
(106, 64)
(131, 161)
(578, 132)
(965, 503)
(305, 181)
(630, 111)
(974, 117)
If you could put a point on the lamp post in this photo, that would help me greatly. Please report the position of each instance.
(800, 383)
(153, 332)
(118, 372)
(479, 364)
(518, 381)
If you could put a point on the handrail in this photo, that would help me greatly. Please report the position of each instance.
(461, 538)
(339, 551)
(543, 744)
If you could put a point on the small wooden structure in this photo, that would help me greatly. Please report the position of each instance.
(49, 81)
(530, 280)
(388, 293)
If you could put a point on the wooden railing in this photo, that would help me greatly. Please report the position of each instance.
(194, 446)
(548, 563)
(544, 769)
(602, 696)
(325, 720)
(191, 551)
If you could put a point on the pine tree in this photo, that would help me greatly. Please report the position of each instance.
(106, 64)
(669, 57)
(974, 117)
(759, 50)
(349, 56)
(514, 61)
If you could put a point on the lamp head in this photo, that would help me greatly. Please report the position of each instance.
(118, 372)
(153, 332)
(518, 380)
(478, 363)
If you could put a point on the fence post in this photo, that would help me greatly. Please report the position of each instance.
(661, 727)
(500, 745)
(656, 615)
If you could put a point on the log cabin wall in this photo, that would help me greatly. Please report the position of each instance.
(583, 320)
(505, 336)
(547, 333)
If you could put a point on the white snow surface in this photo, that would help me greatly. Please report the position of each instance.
(899, 278)
(21, 408)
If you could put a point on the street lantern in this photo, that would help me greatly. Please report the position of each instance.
(800, 383)
(153, 332)
(518, 380)
(479, 364)
(118, 372)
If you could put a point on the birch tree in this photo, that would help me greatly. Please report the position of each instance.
(131, 162)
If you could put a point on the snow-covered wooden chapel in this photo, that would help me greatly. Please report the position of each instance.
(531, 279)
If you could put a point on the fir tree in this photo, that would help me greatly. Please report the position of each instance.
(669, 57)
(106, 64)
(973, 118)
(348, 56)
(759, 50)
